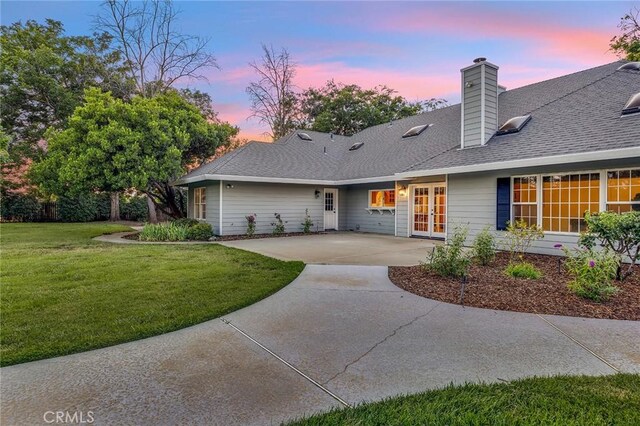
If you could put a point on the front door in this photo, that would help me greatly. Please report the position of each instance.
(330, 208)
(429, 210)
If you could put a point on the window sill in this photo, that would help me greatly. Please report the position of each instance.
(381, 210)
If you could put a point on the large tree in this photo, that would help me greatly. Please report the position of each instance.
(627, 44)
(273, 99)
(348, 109)
(43, 74)
(112, 145)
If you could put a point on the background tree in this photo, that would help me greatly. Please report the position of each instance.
(627, 44)
(157, 54)
(273, 99)
(112, 145)
(348, 109)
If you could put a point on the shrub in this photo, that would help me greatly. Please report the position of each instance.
(78, 208)
(519, 237)
(618, 232)
(103, 205)
(200, 232)
(20, 208)
(134, 208)
(523, 270)
(450, 260)
(278, 225)
(484, 247)
(251, 224)
(163, 232)
(592, 271)
(308, 223)
(185, 221)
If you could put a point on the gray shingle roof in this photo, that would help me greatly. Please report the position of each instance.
(575, 113)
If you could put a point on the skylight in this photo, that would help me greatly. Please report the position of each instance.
(304, 136)
(633, 105)
(356, 145)
(632, 66)
(514, 125)
(415, 131)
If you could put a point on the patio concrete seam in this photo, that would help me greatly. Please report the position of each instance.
(579, 343)
(288, 364)
(390, 335)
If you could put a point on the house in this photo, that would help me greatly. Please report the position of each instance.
(545, 153)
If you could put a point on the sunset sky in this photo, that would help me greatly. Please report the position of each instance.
(415, 48)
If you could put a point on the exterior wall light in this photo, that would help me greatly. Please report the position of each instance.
(229, 186)
(317, 193)
(402, 190)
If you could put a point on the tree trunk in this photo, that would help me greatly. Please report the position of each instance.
(164, 195)
(115, 207)
(153, 217)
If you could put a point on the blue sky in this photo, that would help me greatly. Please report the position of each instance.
(416, 48)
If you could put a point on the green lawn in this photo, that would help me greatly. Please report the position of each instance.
(61, 292)
(609, 400)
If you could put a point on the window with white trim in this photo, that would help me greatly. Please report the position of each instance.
(566, 199)
(200, 203)
(623, 190)
(382, 198)
(525, 199)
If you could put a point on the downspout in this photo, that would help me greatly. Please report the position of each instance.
(220, 211)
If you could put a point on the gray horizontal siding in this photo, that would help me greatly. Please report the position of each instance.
(213, 203)
(265, 199)
(359, 219)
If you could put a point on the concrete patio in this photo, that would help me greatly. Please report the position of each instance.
(337, 335)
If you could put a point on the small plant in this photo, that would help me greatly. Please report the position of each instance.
(618, 232)
(592, 271)
(523, 270)
(251, 224)
(199, 232)
(308, 223)
(163, 232)
(278, 225)
(185, 221)
(450, 260)
(520, 235)
(484, 247)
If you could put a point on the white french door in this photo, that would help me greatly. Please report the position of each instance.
(428, 210)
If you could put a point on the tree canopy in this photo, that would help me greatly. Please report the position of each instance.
(113, 145)
(627, 44)
(348, 109)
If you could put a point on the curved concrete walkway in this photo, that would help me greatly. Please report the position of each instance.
(337, 335)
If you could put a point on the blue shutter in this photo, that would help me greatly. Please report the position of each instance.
(503, 203)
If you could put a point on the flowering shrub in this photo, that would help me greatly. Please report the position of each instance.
(251, 224)
(593, 272)
(450, 260)
(308, 223)
(278, 225)
(520, 235)
(618, 232)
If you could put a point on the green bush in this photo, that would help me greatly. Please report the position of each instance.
(134, 208)
(163, 232)
(523, 270)
(103, 205)
(484, 247)
(278, 225)
(251, 224)
(185, 221)
(308, 223)
(19, 208)
(450, 260)
(618, 232)
(592, 271)
(200, 232)
(519, 237)
(78, 208)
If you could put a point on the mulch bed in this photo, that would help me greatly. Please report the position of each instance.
(489, 287)
(259, 236)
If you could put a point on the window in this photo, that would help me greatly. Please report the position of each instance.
(415, 131)
(631, 66)
(566, 198)
(382, 198)
(356, 145)
(525, 199)
(200, 203)
(304, 136)
(513, 125)
(632, 106)
(623, 190)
